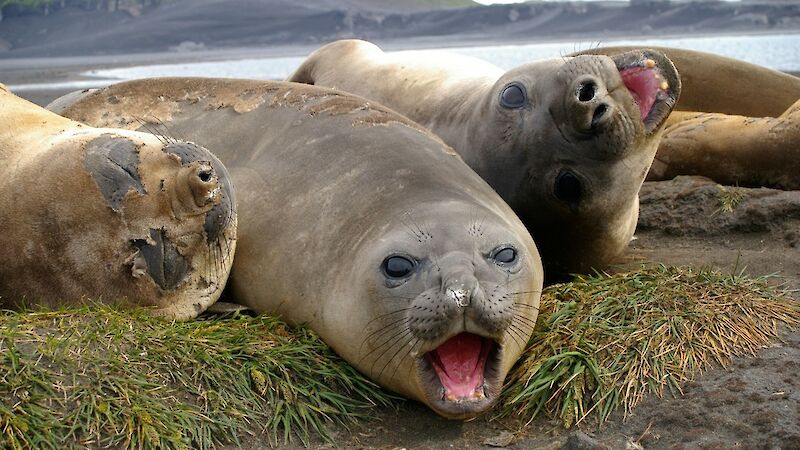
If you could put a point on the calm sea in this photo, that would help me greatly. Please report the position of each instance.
(778, 51)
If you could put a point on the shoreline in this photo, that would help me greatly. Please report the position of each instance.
(71, 70)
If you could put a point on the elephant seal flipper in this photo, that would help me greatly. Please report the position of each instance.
(361, 224)
(734, 150)
(109, 215)
(566, 142)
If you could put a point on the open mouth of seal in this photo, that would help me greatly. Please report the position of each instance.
(461, 374)
(653, 83)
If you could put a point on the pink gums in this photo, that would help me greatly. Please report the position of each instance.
(643, 84)
(460, 363)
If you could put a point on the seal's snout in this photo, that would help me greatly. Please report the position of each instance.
(203, 186)
(460, 287)
(203, 183)
(593, 110)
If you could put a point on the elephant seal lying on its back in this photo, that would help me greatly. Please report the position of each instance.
(566, 142)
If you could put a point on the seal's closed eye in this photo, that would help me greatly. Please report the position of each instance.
(513, 96)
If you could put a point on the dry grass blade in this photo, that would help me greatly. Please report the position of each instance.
(604, 342)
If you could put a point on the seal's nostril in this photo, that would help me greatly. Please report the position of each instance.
(587, 91)
(205, 176)
(598, 114)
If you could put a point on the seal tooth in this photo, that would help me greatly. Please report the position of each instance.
(649, 63)
(664, 85)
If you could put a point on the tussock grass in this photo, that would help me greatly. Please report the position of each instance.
(729, 198)
(102, 377)
(602, 342)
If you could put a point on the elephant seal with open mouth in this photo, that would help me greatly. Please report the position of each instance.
(361, 224)
(736, 122)
(109, 215)
(566, 142)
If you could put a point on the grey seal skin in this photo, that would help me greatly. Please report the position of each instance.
(361, 224)
(566, 142)
(736, 122)
(110, 216)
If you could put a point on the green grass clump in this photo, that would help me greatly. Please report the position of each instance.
(103, 377)
(605, 341)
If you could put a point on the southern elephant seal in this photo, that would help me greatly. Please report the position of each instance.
(566, 142)
(738, 123)
(109, 215)
(361, 224)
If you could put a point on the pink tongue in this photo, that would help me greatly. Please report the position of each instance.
(461, 371)
(643, 83)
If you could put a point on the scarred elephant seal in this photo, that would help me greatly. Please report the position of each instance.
(109, 215)
(361, 224)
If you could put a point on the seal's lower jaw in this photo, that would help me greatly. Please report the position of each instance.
(461, 376)
(653, 83)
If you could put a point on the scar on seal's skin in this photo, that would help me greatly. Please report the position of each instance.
(114, 163)
(165, 265)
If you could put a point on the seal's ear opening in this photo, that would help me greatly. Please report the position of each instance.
(653, 82)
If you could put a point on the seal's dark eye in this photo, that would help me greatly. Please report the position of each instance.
(506, 255)
(513, 96)
(397, 266)
(568, 187)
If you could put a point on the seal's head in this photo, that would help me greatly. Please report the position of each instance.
(450, 307)
(583, 132)
(161, 214)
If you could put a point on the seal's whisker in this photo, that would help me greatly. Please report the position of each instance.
(147, 127)
(408, 344)
(525, 292)
(514, 335)
(523, 305)
(394, 340)
(399, 297)
(386, 330)
(524, 322)
(383, 316)
(166, 129)
(522, 334)
(377, 334)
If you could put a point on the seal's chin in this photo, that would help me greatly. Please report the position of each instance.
(461, 376)
(653, 83)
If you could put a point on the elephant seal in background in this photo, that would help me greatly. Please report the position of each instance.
(738, 123)
(109, 215)
(566, 142)
(361, 224)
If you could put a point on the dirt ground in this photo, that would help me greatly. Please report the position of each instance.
(754, 403)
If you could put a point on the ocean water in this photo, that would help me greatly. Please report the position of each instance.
(777, 51)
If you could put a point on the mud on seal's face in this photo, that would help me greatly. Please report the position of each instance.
(457, 311)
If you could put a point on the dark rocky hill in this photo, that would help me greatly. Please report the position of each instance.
(210, 24)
